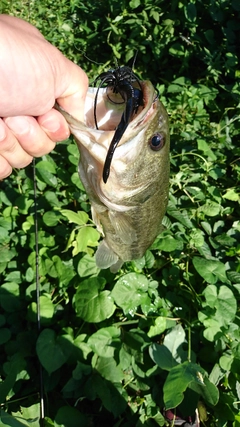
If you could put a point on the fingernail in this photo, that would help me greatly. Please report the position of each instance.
(50, 125)
(18, 125)
(2, 131)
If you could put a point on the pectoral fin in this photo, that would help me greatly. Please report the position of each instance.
(122, 227)
(104, 256)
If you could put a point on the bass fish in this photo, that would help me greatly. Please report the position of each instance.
(129, 207)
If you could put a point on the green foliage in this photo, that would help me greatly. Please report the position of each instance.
(164, 332)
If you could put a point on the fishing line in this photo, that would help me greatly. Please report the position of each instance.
(41, 415)
(38, 291)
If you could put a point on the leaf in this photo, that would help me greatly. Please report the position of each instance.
(232, 195)
(210, 208)
(190, 12)
(87, 236)
(79, 218)
(113, 396)
(178, 379)
(87, 266)
(108, 368)
(158, 327)
(213, 328)
(91, 304)
(130, 291)
(8, 420)
(70, 417)
(9, 296)
(174, 341)
(51, 218)
(204, 146)
(180, 216)
(210, 270)
(223, 301)
(161, 355)
(170, 353)
(5, 335)
(45, 172)
(208, 390)
(29, 415)
(166, 242)
(134, 3)
(103, 342)
(46, 309)
(53, 351)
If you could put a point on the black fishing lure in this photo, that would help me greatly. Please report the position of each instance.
(121, 81)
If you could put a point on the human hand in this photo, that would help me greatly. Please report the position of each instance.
(33, 74)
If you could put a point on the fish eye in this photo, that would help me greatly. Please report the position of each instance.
(157, 142)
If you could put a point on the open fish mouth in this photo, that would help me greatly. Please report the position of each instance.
(110, 111)
(110, 107)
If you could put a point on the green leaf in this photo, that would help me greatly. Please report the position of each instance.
(5, 335)
(45, 165)
(79, 218)
(70, 417)
(158, 327)
(204, 146)
(46, 309)
(51, 218)
(166, 242)
(45, 172)
(134, 3)
(210, 208)
(130, 291)
(208, 391)
(8, 420)
(103, 342)
(113, 396)
(178, 379)
(87, 236)
(180, 216)
(29, 415)
(223, 301)
(87, 266)
(190, 12)
(210, 270)
(53, 351)
(6, 254)
(91, 304)
(9, 296)
(232, 195)
(24, 204)
(108, 369)
(170, 353)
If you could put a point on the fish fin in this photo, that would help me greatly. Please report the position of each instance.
(96, 220)
(115, 267)
(104, 256)
(122, 227)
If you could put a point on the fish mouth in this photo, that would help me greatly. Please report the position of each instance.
(111, 113)
(110, 107)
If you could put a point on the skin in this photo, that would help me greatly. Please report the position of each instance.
(33, 75)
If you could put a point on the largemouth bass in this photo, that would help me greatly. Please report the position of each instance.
(128, 209)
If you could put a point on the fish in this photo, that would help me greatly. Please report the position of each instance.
(128, 209)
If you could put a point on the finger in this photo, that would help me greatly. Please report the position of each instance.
(11, 150)
(54, 125)
(32, 139)
(72, 97)
(5, 168)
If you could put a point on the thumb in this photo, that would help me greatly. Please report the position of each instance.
(73, 90)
